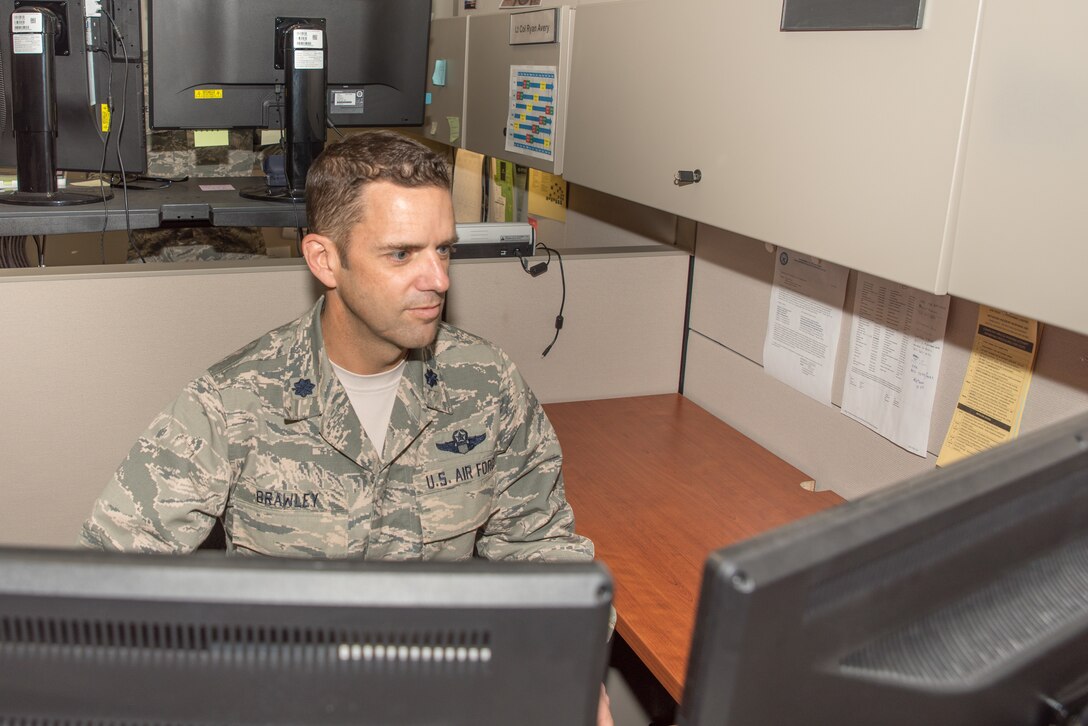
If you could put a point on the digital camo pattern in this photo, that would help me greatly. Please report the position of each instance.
(267, 439)
(196, 243)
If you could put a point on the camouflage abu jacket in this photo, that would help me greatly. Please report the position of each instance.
(267, 439)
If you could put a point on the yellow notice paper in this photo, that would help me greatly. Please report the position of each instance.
(468, 187)
(218, 137)
(547, 195)
(995, 386)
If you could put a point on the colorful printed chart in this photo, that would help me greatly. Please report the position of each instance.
(530, 124)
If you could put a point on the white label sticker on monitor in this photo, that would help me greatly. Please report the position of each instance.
(347, 99)
(27, 22)
(308, 60)
(308, 38)
(29, 44)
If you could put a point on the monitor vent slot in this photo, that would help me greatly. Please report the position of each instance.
(255, 645)
(863, 579)
(987, 628)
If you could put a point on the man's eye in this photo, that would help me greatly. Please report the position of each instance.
(445, 250)
(399, 255)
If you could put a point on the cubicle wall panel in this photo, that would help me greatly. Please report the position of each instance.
(840, 454)
(1021, 228)
(838, 144)
(730, 283)
(89, 359)
(90, 356)
(444, 115)
(487, 93)
(623, 321)
(730, 299)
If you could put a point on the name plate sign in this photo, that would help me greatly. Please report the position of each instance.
(539, 26)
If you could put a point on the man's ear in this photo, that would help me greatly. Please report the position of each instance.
(322, 257)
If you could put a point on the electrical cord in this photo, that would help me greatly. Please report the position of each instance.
(121, 127)
(39, 244)
(102, 182)
(539, 269)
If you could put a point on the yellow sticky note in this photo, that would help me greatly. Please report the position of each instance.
(217, 137)
(455, 127)
(105, 118)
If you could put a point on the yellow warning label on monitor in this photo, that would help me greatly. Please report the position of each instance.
(204, 93)
(105, 118)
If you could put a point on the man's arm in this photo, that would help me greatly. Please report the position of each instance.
(167, 493)
(531, 518)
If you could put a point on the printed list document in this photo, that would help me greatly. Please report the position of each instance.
(995, 386)
(803, 323)
(896, 341)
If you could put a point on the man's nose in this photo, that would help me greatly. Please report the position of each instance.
(436, 274)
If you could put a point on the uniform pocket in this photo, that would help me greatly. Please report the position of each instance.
(455, 501)
(263, 518)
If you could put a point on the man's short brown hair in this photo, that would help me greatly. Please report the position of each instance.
(335, 181)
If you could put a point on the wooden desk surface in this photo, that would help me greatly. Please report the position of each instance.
(658, 483)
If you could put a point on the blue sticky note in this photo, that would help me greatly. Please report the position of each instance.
(427, 101)
(438, 78)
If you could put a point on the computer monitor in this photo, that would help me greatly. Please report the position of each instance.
(90, 637)
(59, 101)
(296, 65)
(957, 598)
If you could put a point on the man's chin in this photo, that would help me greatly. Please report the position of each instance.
(421, 338)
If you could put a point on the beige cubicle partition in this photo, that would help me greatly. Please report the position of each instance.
(90, 355)
(731, 292)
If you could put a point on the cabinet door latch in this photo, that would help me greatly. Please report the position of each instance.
(683, 178)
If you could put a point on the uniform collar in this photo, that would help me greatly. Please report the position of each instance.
(310, 384)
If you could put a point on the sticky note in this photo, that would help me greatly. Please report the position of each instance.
(270, 136)
(438, 78)
(217, 137)
(455, 127)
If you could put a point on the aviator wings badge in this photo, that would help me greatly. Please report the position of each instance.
(462, 443)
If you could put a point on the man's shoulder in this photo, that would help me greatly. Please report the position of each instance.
(267, 353)
(454, 345)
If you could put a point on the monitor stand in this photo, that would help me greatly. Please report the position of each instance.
(60, 198)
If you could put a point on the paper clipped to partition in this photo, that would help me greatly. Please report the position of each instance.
(804, 322)
(995, 386)
(896, 341)
(547, 195)
(530, 123)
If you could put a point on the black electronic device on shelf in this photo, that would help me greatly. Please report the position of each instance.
(296, 65)
(71, 80)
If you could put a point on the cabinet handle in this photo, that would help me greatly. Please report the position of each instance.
(683, 178)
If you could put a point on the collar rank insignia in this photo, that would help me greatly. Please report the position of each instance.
(303, 387)
(432, 378)
(462, 443)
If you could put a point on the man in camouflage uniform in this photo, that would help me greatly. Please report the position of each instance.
(268, 439)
